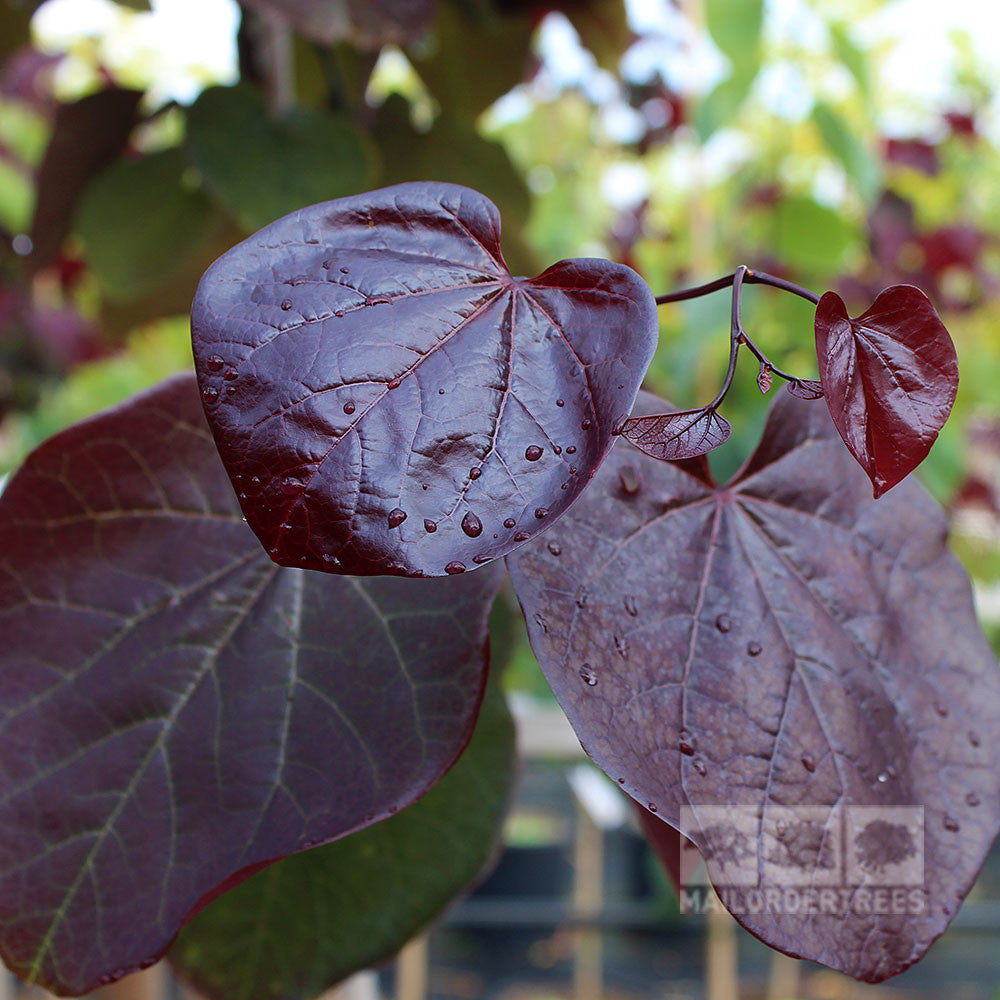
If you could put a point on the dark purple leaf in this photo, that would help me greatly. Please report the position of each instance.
(782, 643)
(764, 379)
(379, 385)
(889, 377)
(805, 388)
(87, 136)
(176, 710)
(673, 436)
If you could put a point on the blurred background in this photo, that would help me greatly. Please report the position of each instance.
(845, 144)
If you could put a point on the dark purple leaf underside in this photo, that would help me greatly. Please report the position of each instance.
(805, 388)
(388, 399)
(889, 376)
(176, 709)
(777, 644)
(674, 436)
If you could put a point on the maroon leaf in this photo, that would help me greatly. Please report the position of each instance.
(177, 711)
(805, 388)
(889, 377)
(764, 379)
(388, 399)
(673, 436)
(781, 645)
(87, 135)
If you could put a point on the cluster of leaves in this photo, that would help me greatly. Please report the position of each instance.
(390, 402)
(179, 710)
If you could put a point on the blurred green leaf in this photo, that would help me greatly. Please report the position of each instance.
(140, 222)
(720, 106)
(475, 55)
(811, 236)
(855, 156)
(603, 29)
(23, 131)
(736, 26)
(17, 197)
(310, 920)
(853, 58)
(260, 168)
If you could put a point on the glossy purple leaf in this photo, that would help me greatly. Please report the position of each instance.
(889, 377)
(674, 436)
(176, 710)
(782, 644)
(805, 388)
(388, 399)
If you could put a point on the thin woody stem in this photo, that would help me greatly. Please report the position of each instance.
(749, 277)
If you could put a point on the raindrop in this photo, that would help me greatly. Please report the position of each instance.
(555, 548)
(481, 558)
(883, 778)
(651, 806)
(348, 408)
(440, 392)
(230, 374)
(572, 470)
(210, 393)
(521, 536)
(941, 709)
(541, 623)
(621, 646)
(471, 525)
(629, 479)
(429, 526)
(699, 766)
(808, 763)
(339, 314)
(345, 270)
(330, 559)
(291, 487)
(585, 425)
(754, 648)
(392, 384)
(588, 675)
(950, 824)
(630, 605)
(214, 362)
(454, 568)
(686, 748)
(286, 304)
(621, 781)
(559, 402)
(571, 450)
(723, 623)
(974, 737)
(396, 517)
(532, 453)
(972, 799)
(230, 390)
(475, 473)
(581, 599)
(541, 512)
(556, 449)
(510, 523)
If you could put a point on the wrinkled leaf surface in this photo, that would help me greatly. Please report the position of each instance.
(175, 709)
(387, 398)
(889, 376)
(782, 650)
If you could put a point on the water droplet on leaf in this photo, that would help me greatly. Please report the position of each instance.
(723, 623)
(230, 374)
(510, 523)
(571, 450)
(396, 517)
(532, 453)
(348, 408)
(555, 548)
(588, 676)
(521, 536)
(560, 402)
(291, 487)
(475, 473)
(585, 425)
(972, 799)
(429, 526)
(471, 525)
(754, 648)
(454, 568)
(808, 763)
(630, 605)
(210, 393)
(541, 512)
(392, 384)
(214, 362)
(973, 738)
(286, 304)
(950, 824)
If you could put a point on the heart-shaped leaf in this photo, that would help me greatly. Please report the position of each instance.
(889, 378)
(782, 657)
(388, 399)
(671, 437)
(308, 921)
(260, 167)
(176, 711)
